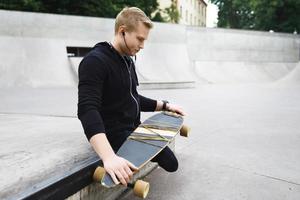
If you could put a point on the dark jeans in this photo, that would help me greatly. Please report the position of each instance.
(165, 159)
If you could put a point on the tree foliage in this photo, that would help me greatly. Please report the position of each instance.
(96, 8)
(277, 15)
(172, 13)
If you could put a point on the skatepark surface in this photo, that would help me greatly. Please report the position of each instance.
(243, 110)
(244, 142)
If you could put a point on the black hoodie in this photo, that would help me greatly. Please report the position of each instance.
(108, 101)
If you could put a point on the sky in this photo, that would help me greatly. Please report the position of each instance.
(212, 15)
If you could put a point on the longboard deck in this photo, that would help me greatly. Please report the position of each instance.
(151, 137)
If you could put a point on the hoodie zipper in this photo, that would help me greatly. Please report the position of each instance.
(130, 80)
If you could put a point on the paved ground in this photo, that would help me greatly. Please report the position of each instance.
(244, 142)
(244, 145)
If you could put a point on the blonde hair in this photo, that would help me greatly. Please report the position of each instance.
(130, 17)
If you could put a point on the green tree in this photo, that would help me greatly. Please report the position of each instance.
(24, 5)
(148, 6)
(277, 15)
(234, 13)
(172, 12)
(158, 17)
(97, 8)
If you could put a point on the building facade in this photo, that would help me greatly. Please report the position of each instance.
(191, 12)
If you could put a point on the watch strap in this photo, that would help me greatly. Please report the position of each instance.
(164, 107)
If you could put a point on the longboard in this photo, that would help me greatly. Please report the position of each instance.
(147, 140)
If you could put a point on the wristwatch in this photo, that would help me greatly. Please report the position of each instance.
(164, 107)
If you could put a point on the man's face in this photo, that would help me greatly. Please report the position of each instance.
(135, 39)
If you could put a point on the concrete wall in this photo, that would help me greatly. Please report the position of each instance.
(165, 57)
(36, 43)
(293, 78)
(33, 51)
(33, 46)
(34, 62)
(235, 45)
(235, 56)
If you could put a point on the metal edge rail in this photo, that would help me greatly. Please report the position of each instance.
(63, 187)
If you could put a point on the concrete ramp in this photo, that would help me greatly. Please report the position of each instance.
(160, 72)
(34, 62)
(34, 52)
(164, 62)
(293, 78)
(34, 47)
(234, 56)
(74, 65)
(241, 72)
(229, 45)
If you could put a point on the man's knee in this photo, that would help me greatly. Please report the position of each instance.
(167, 160)
(172, 164)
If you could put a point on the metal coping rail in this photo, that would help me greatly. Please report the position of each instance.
(64, 187)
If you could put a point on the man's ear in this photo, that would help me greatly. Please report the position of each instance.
(122, 29)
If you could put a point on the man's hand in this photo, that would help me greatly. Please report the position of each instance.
(170, 107)
(119, 169)
(175, 108)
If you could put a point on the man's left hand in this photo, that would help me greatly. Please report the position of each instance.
(175, 108)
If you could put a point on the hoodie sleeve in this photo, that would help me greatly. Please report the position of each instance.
(91, 75)
(147, 104)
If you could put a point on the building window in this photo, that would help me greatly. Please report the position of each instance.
(180, 12)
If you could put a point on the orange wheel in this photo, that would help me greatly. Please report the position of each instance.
(184, 131)
(98, 174)
(141, 189)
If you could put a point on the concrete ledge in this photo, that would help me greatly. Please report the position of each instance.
(53, 161)
(96, 191)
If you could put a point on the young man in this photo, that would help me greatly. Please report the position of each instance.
(109, 105)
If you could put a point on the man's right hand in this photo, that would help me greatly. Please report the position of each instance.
(119, 169)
